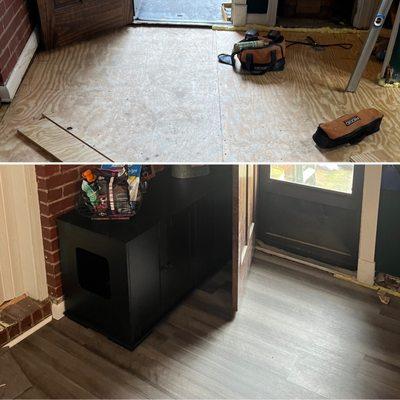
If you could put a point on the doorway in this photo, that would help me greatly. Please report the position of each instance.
(196, 12)
(312, 210)
(315, 13)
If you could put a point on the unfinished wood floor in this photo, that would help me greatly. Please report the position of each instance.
(299, 334)
(3, 109)
(158, 94)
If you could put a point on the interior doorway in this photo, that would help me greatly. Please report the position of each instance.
(197, 12)
(312, 210)
(316, 13)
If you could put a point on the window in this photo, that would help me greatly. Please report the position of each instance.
(334, 177)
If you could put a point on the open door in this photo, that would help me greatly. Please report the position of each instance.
(65, 21)
(244, 234)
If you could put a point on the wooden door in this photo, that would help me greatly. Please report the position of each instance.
(66, 21)
(244, 233)
(313, 211)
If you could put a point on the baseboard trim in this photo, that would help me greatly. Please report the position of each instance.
(7, 91)
(29, 332)
(58, 310)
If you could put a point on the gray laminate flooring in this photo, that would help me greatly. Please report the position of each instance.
(299, 334)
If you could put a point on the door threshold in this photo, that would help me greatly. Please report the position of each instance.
(177, 23)
(308, 262)
(336, 272)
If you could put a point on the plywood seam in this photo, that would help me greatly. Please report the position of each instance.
(77, 137)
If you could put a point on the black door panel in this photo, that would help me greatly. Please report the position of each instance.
(316, 223)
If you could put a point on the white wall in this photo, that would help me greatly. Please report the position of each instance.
(22, 265)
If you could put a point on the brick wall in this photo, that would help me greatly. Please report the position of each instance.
(16, 25)
(58, 187)
(17, 317)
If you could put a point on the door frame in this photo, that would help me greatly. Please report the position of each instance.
(245, 187)
(362, 16)
(366, 266)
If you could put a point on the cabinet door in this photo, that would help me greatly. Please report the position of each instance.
(176, 274)
(222, 214)
(144, 280)
(202, 239)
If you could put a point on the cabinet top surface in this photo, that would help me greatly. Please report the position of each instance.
(166, 196)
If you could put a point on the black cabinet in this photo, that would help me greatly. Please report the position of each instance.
(175, 265)
(96, 281)
(121, 277)
(203, 239)
(144, 281)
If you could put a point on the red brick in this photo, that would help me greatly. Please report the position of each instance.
(52, 257)
(26, 323)
(72, 188)
(62, 179)
(54, 280)
(49, 233)
(52, 268)
(13, 331)
(57, 207)
(69, 167)
(47, 221)
(41, 183)
(4, 57)
(50, 195)
(46, 308)
(55, 292)
(51, 245)
(44, 171)
(3, 336)
(13, 17)
(37, 316)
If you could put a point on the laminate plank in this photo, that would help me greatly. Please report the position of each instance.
(174, 379)
(42, 373)
(90, 371)
(300, 333)
(13, 382)
(33, 393)
(60, 143)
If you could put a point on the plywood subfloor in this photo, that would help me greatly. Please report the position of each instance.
(3, 109)
(158, 94)
(299, 334)
(60, 143)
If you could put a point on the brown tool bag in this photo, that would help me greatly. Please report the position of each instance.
(350, 128)
(258, 54)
